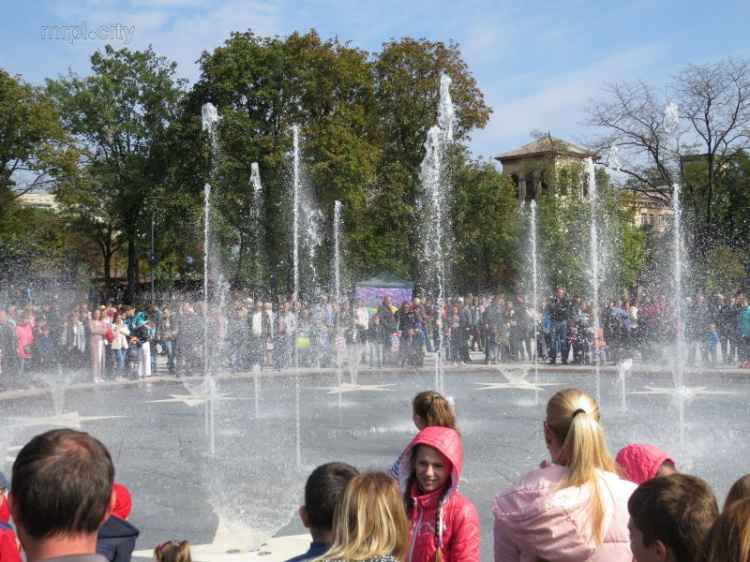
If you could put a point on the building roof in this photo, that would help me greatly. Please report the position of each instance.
(545, 145)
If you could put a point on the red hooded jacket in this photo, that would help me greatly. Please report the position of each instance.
(459, 521)
(9, 551)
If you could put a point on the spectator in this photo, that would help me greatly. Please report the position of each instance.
(116, 538)
(728, 540)
(173, 551)
(444, 525)
(324, 489)
(10, 548)
(574, 509)
(370, 524)
(559, 309)
(61, 493)
(640, 462)
(669, 518)
(740, 490)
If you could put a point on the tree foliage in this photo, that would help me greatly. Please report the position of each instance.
(120, 117)
(35, 149)
(714, 127)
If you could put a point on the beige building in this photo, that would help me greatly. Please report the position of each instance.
(39, 201)
(526, 165)
(652, 210)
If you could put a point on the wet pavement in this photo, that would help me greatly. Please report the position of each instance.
(230, 485)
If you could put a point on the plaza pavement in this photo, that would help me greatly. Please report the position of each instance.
(240, 503)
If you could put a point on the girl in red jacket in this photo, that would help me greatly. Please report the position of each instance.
(443, 524)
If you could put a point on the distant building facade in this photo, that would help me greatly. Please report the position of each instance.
(526, 165)
(45, 201)
(652, 210)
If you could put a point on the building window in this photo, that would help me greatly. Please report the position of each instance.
(651, 219)
(643, 219)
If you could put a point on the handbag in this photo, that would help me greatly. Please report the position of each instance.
(109, 335)
(27, 349)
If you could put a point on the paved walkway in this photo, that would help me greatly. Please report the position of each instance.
(233, 486)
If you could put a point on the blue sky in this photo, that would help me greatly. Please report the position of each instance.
(537, 62)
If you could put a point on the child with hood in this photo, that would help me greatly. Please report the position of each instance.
(640, 462)
(116, 538)
(10, 550)
(443, 524)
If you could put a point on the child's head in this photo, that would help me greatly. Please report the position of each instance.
(712, 327)
(670, 516)
(740, 490)
(323, 490)
(173, 551)
(376, 319)
(410, 333)
(640, 462)
(352, 320)
(123, 501)
(431, 409)
(370, 520)
(729, 537)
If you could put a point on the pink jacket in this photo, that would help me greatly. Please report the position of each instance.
(536, 521)
(458, 517)
(25, 336)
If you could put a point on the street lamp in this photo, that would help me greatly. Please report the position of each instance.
(151, 254)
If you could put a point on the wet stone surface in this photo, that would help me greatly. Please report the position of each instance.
(160, 436)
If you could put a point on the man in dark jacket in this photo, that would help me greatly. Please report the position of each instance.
(388, 320)
(116, 538)
(559, 311)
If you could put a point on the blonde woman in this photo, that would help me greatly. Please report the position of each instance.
(369, 524)
(575, 508)
(97, 342)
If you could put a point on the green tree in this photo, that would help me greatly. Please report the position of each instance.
(407, 79)
(564, 224)
(488, 228)
(120, 117)
(35, 151)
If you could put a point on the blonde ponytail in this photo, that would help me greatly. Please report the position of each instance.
(573, 418)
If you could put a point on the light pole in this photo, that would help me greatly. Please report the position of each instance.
(152, 254)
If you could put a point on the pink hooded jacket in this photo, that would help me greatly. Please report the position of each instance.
(641, 462)
(537, 521)
(458, 528)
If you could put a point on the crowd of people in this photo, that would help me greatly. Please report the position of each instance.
(115, 341)
(580, 504)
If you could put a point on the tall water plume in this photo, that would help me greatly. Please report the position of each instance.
(337, 251)
(535, 294)
(590, 171)
(295, 205)
(210, 124)
(306, 219)
(255, 219)
(434, 203)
